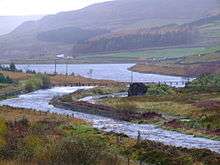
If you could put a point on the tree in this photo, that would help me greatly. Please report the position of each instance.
(12, 67)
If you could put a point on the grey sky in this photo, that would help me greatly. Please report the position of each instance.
(41, 7)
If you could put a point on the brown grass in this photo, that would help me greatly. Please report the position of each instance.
(16, 75)
(60, 80)
(11, 114)
(178, 70)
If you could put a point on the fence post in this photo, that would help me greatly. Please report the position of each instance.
(118, 139)
(139, 137)
(141, 162)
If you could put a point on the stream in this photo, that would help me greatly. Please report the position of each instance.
(39, 100)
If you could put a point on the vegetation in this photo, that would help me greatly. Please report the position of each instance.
(47, 138)
(145, 55)
(131, 40)
(14, 83)
(5, 80)
(188, 66)
(159, 90)
(11, 68)
(205, 83)
(42, 138)
(69, 35)
(38, 81)
(97, 91)
(198, 103)
(193, 109)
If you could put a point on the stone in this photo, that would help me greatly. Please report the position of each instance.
(137, 89)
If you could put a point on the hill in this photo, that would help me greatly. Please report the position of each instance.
(122, 13)
(9, 23)
(60, 33)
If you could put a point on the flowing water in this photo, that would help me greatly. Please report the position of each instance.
(39, 100)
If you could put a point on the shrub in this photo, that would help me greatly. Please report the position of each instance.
(159, 90)
(22, 121)
(3, 127)
(78, 150)
(31, 71)
(29, 87)
(3, 131)
(45, 81)
(32, 147)
(2, 143)
(209, 82)
(12, 67)
(38, 81)
(4, 79)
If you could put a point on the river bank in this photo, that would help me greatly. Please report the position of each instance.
(189, 111)
(60, 79)
(8, 90)
(146, 151)
(193, 70)
(190, 66)
(35, 129)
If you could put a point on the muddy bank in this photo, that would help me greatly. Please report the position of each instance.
(193, 70)
(105, 111)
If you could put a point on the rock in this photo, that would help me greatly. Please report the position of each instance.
(137, 89)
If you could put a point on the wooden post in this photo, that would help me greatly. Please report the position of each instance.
(118, 140)
(55, 65)
(128, 160)
(141, 162)
(139, 137)
(132, 77)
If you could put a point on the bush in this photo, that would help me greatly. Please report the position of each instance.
(38, 81)
(45, 81)
(159, 90)
(32, 147)
(12, 67)
(209, 82)
(5, 80)
(22, 121)
(29, 87)
(3, 127)
(78, 150)
(3, 132)
(31, 71)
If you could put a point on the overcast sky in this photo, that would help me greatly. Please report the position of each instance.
(41, 7)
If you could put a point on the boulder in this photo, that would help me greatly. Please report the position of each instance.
(137, 89)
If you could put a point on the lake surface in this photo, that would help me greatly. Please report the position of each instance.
(39, 100)
(117, 72)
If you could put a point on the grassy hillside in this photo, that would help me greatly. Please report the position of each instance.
(43, 38)
(141, 55)
(123, 13)
(210, 32)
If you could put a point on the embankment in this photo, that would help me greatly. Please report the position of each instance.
(192, 70)
(102, 110)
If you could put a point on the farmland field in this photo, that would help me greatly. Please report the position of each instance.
(153, 53)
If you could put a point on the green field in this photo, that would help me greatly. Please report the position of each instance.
(211, 29)
(156, 53)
